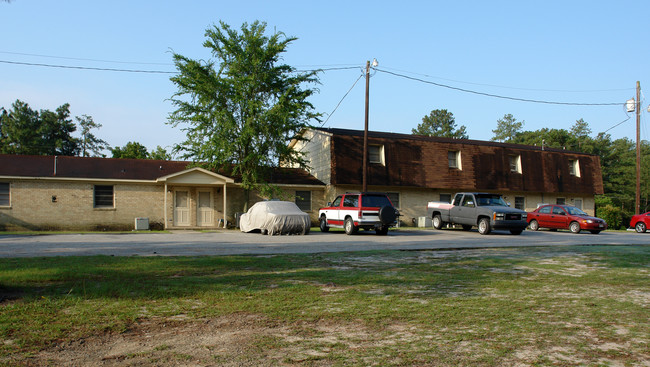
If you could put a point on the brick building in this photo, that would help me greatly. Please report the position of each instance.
(416, 169)
(46, 192)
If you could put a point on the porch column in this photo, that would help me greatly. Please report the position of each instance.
(225, 210)
(165, 206)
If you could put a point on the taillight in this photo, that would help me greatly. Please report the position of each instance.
(360, 214)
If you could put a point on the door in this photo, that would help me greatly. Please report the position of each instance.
(181, 208)
(205, 214)
(559, 218)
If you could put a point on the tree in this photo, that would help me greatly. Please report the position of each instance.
(159, 154)
(26, 131)
(440, 123)
(241, 111)
(507, 129)
(89, 143)
(132, 149)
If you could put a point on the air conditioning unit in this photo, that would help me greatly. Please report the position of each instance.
(141, 224)
(424, 222)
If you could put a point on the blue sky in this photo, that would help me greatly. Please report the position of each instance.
(557, 51)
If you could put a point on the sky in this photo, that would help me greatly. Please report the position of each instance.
(476, 59)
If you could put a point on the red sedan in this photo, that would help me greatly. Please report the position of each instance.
(564, 217)
(640, 222)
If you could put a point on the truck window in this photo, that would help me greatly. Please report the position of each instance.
(336, 202)
(351, 201)
(490, 200)
(457, 199)
(468, 201)
(374, 201)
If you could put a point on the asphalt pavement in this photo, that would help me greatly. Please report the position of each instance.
(232, 242)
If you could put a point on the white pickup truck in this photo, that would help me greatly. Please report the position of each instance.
(484, 210)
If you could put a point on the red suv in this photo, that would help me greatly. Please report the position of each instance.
(351, 211)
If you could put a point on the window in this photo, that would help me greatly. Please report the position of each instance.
(104, 196)
(515, 163)
(5, 199)
(394, 198)
(574, 168)
(454, 159)
(457, 199)
(445, 198)
(545, 210)
(468, 201)
(577, 203)
(560, 201)
(303, 200)
(558, 210)
(520, 202)
(336, 203)
(351, 201)
(376, 154)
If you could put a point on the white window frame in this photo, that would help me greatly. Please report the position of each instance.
(515, 163)
(458, 164)
(378, 157)
(574, 167)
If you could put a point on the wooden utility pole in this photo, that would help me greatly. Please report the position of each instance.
(637, 201)
(365, 132)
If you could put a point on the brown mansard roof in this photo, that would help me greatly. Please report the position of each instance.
(120, 169)
(422, 162)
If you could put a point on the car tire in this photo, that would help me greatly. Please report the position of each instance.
(350, 228)
(534, 225)
(437, 221)
(323, 224)
(387, 215)
(640, 227)
(574, 227)
(484, 226)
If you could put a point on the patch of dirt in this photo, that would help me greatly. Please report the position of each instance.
(235, 340)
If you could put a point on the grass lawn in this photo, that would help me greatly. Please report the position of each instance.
(583, 305)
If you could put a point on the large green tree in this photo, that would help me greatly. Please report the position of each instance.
(440, 123)
(241, 109)
(27, 131)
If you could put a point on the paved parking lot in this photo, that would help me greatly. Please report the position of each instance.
(231, 242)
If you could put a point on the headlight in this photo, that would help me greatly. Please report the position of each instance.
(524, 216)
(588, 221)
(499, 216)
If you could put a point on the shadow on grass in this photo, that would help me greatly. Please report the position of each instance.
(152, 278)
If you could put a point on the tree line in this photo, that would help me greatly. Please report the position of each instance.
(24, 130)
(617, 157)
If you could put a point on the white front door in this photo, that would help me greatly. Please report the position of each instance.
(204, 213)
(181, 208)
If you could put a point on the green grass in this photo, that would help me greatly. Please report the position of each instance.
(586, 305)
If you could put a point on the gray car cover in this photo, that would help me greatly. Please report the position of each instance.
(275, 217)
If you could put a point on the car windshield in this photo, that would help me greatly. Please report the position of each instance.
(490, 200)
(575, 211)
(374, 201)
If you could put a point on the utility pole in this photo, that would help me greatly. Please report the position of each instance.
(637, 202)
(365, 132)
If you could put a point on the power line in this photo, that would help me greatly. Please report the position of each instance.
(84, 59)
(341, 101)
(515, 88)
(496, 95)
(88, 68)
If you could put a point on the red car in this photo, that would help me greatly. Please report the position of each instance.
(564, 217)
(640, 222)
